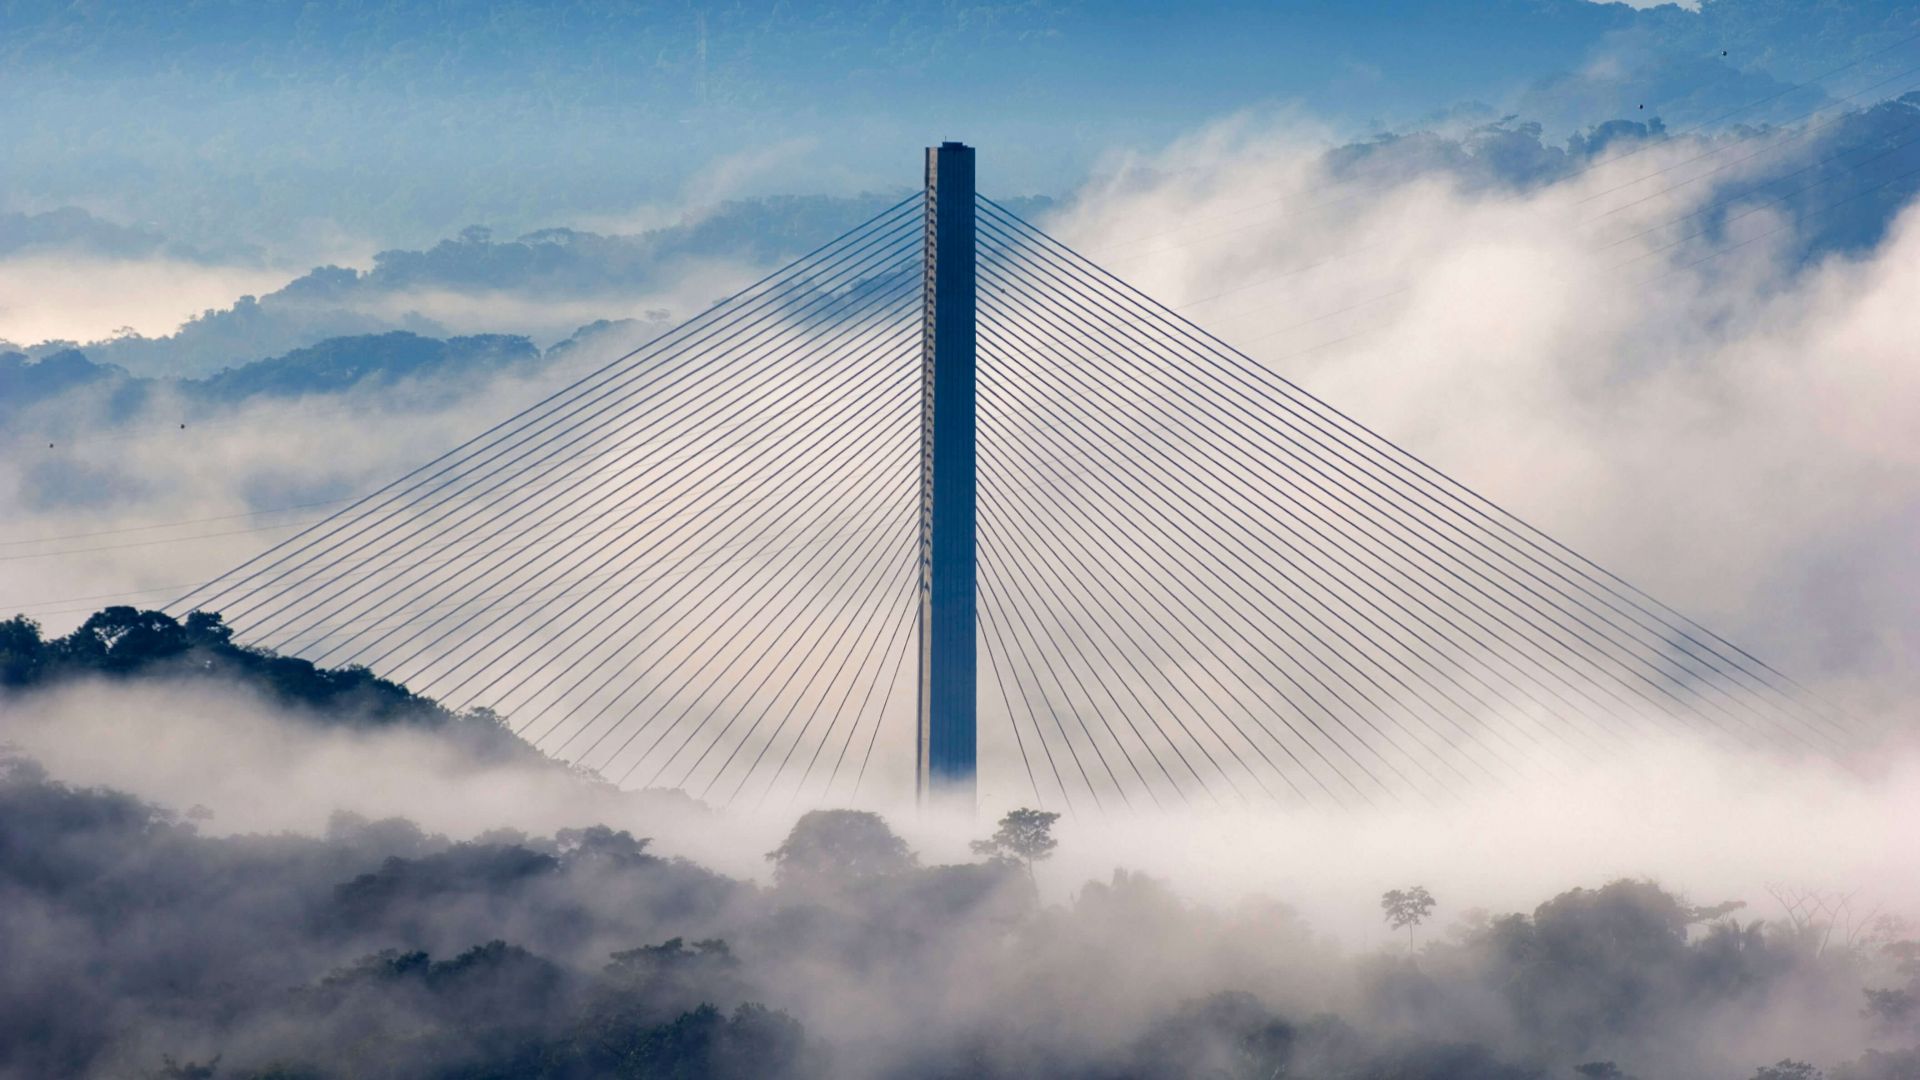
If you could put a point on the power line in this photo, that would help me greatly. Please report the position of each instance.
(153, 543)
(176, 524)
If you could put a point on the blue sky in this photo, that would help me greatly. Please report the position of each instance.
(239, 126)
(1480, 282)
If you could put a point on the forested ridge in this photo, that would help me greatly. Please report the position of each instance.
(130, 643)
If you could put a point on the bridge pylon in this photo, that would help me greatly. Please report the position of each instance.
(948, 727)
(1197, 582)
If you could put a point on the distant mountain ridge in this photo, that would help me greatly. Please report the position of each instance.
(332, 366)
(1841, 180)
(554, 266)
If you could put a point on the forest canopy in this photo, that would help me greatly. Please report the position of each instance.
(140, 944)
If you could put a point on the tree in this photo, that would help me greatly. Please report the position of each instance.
(123, 638)
(837, 848)
(186, 1070)
(1406, 907)
(1815, 916)
(1788, 1070)
(1025, 836)
(599, 843)
(207, 629)
(22, 652)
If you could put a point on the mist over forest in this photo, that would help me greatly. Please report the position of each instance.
(1642, 274)
(155, 940)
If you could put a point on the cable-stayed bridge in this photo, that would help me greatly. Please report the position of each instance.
(945, 485)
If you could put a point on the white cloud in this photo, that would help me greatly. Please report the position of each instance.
(1728, 435)
(1734, 436)
(749, 172)
(68, 297)
(1707, 825)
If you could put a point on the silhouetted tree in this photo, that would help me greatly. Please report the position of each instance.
(207, 629)
(124, 638)
(1025, 836)
(599, 843)
(22, 653)
(1882, 1065)
(1788, 1070)
(1406, 908)
(125, 642)
(186, 1070)
(836, 848)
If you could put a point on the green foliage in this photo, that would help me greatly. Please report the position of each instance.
(672, 953)
(129, 934)
(655, 981)
(124, 638)
(703, 1043)
(186, 1070)
(281, 1070)
(836, 849)
(177, 942)
(1712, 912)
(1594, 962)
(597, 842)
(1025, 836)
(472, 869)
(124, 642)
(1788, 1070)
(499, 1011)
(1893, 1007)
(1593, 970)
(22, 652)
(1406, 908)
(1229, 1035)
(1882, 1065)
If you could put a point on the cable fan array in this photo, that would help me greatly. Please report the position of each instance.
(1200, 585)
(694, 567)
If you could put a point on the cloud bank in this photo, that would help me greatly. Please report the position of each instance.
(251, 924)
(1635, 352)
